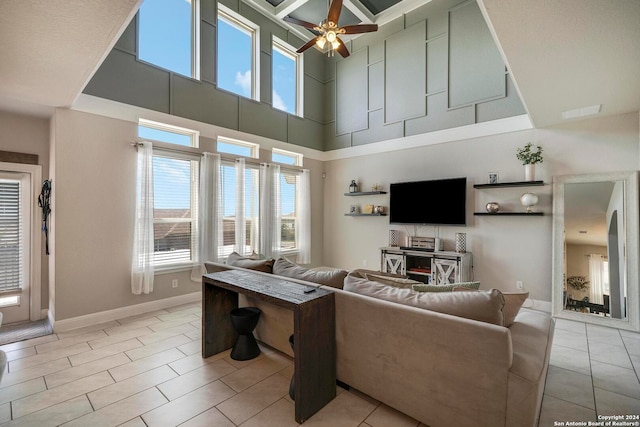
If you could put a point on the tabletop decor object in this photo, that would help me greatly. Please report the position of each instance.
(493, 207)
(529, 158)
(529, 200)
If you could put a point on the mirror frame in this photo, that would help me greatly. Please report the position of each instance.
(630, 179)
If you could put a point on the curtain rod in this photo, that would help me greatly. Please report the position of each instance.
(227, 157)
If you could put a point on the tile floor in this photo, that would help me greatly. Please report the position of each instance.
(593, 371)
(146, 370)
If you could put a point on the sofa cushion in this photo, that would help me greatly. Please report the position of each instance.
(446, 288)
(333, 277)
(252, 263)
(512, 303)
(485, 306)
(397, 281)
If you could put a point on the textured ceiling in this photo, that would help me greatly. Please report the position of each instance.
(50, 49)
(569, 54)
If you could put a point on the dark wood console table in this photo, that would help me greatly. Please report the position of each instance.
(314, 329)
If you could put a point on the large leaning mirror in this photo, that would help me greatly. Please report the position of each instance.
(595, 249)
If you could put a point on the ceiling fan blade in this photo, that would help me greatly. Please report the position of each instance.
(342, 49)
(357, 29)
(334, 11)
(305, 24)
(308, 44)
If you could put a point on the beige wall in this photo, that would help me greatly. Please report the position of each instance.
(505, 249)
(94, 211)
(92, 165)
(30, 135)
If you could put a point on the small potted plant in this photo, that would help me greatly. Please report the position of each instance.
(529, 158)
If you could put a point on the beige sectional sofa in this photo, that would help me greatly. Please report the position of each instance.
(440, 369)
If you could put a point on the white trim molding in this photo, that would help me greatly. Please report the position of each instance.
(121, 312)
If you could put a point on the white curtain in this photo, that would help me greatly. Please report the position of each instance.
(142, 261)
(303, 217)
(596, 278)
(209, 234)
(270, 217)
(241, 222)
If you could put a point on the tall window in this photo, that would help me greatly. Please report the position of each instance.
(288, 205)
(239, 207)
(175, 195)
(238, 54)
(286, 75)
(13, 233)
(168, 35)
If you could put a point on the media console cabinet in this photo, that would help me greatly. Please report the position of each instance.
(437, 267)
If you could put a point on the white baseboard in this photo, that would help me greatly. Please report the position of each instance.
(119, 313)
(538, 305)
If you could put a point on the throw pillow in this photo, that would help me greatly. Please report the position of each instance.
(237, 260)
(447, 288)
(512, 303)
(398, 282)
(484, 306)
(333, 277)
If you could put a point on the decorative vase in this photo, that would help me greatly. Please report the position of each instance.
(530, 172)
(493, 207)
(461, 243)
(529, 200)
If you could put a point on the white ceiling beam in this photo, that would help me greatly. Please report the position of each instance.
(398, 9)
(269, 12)
(361, 12)
(288, 6)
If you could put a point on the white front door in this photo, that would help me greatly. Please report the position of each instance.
(16, 209)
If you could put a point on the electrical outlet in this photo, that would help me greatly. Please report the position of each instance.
(364, 262)
(519, 285)
(174, 283)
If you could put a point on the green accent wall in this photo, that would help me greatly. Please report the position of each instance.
(432, 69)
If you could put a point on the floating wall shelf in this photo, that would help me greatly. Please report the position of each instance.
(511, 184)
(365, 193)
(509, 213)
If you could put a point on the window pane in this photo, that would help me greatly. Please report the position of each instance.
(164, 136)
(236, 149)
(288, 210)
(228, 203)
(234, 58)
(284, 81)
(165, 34)
(282, 158)
(10, 236)
(174, 209)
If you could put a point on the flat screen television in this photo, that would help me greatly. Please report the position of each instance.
(434, 202)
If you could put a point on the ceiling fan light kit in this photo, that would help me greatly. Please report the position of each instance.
(327, 31)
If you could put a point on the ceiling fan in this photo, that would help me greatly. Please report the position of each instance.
(328, 30)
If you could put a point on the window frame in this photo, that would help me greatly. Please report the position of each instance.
(170, 150)
(194, 135)
(195, 43)
(253, 236)
(286, 49)
(293, 173)
(194, 192)
(242, 24)
(254, 147)
(298, 157)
